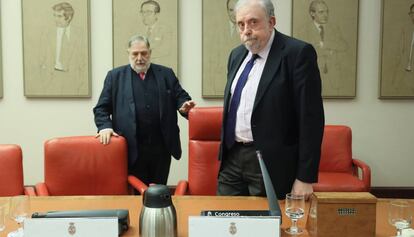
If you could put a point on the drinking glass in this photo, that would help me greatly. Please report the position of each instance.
(2, 217)
(294, 209)
(400, 215)
(19, 210)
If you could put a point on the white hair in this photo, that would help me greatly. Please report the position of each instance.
(267, 6)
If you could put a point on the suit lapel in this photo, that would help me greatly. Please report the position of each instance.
(271, 67)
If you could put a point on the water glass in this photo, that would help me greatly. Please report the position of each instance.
(400, 215)
(2, 217)
(294, 209)
(19, 211)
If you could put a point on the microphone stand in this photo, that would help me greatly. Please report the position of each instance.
(270, 191)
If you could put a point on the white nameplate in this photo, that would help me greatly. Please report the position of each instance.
(248, 226)
(71, 227)
(407, 232)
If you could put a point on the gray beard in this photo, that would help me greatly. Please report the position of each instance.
(138, 69)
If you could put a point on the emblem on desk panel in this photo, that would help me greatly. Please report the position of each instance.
(233, 228)
(72, 228)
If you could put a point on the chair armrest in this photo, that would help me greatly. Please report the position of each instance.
(365, 172)
(137, 184)
(30, 191)
(41, 189)
(181, 188)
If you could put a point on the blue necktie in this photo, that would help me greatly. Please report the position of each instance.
(229, 137)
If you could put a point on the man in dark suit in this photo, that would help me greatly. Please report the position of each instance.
(140, 102)
(272, 103)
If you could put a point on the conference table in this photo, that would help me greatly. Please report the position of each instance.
(185, 206)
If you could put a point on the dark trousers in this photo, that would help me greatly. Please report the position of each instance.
(240, 173)
(152, 165)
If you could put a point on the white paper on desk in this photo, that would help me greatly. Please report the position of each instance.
(71, 227)
(407, 232)
(207, 226)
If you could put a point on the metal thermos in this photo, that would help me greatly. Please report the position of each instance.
(158, 217)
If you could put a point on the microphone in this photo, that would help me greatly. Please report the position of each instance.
(270, 191)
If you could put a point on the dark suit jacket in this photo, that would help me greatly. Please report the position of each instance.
(288, 119)
(116, 107)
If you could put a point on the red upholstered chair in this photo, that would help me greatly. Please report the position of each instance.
(204, 142)
(11, 171)
(81, 165)
(338, 171)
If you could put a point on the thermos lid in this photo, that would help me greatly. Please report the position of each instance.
(157, 196)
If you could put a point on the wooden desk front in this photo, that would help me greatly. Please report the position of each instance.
(185, 206)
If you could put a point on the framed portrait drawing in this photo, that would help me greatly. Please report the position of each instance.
(155, 19)
(397, 50)
(220, 36)
(1, 70)
(331, 26)
(1, 66)
(56, 48)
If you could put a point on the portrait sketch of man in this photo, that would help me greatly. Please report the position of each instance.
(1, 68)
(155, 19)
(1, 74)
(220, 36)
(331, 27)
(56, 48)
(1, 81)
(397, 61)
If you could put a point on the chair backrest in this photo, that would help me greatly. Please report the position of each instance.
(336, 154)
(204, 142)
(11, 170)
(81, 165)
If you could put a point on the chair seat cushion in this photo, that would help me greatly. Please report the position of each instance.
(338, 182)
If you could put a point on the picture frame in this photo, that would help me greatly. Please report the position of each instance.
(331, 26)
(396, 65)
(155, 19)
(1, 62)
(56, 48)
(220, 36)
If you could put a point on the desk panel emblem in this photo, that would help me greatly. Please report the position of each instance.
(72, 228)
(233, 228)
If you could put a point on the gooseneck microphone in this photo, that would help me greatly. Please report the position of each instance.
(270, 191)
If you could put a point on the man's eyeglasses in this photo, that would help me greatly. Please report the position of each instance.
(135, 54)
(251, 24)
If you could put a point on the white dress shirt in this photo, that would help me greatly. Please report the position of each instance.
(243, 130)
(318, 28)
(60, 33)
(410, 56)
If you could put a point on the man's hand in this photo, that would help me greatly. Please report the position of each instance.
(302, 188)
(105, 135)
(187, 106)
